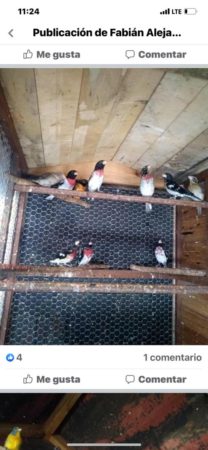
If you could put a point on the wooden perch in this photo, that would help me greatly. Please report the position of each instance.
(75, 201)
(114, 288)
(153, 271)
(24, 182)
(96, 271)
(113, 197)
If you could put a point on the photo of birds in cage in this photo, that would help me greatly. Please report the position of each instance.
(103, 222)
(101, 421)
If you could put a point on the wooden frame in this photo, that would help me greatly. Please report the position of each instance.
(10, 131)
(12, 270)
(48, 430)
(15, 251)
(114, 197)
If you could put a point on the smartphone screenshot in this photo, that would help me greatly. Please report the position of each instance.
(103, 225)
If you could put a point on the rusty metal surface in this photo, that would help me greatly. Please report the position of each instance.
(158, 422)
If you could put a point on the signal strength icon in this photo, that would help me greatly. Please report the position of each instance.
(166, 11)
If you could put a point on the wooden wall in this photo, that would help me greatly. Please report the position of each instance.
(131, 116)
(192, 251)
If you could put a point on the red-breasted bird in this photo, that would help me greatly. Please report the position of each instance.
(87, 255)
(177, 190)
(55, 180)
(68, 257)
(160, 254)
(147, 186)
(196, 189)
(13, 440)
(96, 179)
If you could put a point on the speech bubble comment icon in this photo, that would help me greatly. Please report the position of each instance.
(130, 54)
(130, 379)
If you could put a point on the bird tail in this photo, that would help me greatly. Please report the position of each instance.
(50, 197)
(199, 211)
(148, 207)
(193, 197)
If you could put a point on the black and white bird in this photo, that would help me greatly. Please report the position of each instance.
(160, 254)
(66, 258)
(147, 186)
(96, 179)
(176, 190)
(196, 189)
(55, 180)
(87, 254)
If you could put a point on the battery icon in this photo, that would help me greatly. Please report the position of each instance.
(190, 11)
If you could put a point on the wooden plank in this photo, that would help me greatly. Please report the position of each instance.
(169, 270)
(192, 250)
(7, 123)
(60, 412)
(178, 299)
(15, 250)
(190, 337)
(170, 98)
(112, 197)
(192, 121)
(97, 96)
(89, 272)
(58, 95)
(115, 173)
(59, 442)
(24, 182)
(196, 322)
(20, 91)
(135, 90)
(192, 159)
(28, 430)
(116, 288)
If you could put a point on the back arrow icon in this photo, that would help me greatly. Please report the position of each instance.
(10, 32)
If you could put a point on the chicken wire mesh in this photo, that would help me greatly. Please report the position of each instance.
(122, 234)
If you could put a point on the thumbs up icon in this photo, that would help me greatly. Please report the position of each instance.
(28, 54)
(27, 380)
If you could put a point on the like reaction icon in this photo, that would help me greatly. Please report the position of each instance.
(28, 379)
(28, 54)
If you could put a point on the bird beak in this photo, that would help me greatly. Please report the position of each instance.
(164, 175)
(19, 429)
(104, 163)
(76, 173)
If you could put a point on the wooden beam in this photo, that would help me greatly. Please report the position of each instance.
(167, 270)
(116, 173)
(112, 197)
(59, 442)
(28, 430)
(10, 131)
(60, 412)
(24, 182)
(95, 271)
(114, 288)
(15, 250)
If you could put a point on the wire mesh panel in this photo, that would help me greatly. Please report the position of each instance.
(122, 234)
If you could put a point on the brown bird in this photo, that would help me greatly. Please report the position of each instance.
(196, 189)
(81, 185)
